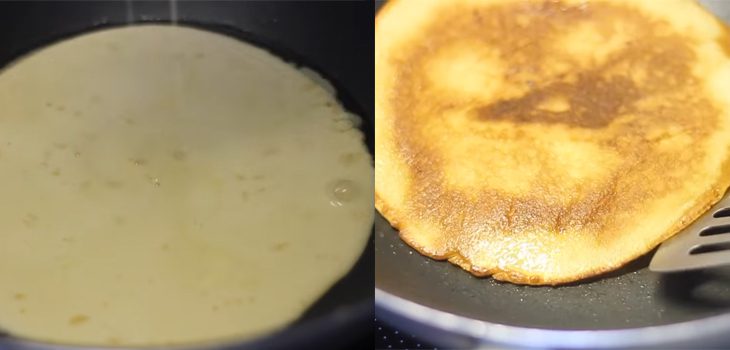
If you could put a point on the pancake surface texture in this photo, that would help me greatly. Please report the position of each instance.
(544, 142)
(167, 185)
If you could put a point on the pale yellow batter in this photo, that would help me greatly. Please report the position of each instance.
(164, 185)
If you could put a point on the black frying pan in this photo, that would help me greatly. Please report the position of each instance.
(333, 38)
(632, 307)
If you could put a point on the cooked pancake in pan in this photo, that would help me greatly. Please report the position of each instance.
(544, 142)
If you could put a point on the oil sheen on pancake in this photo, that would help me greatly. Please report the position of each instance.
(167, 185)
(544, 142)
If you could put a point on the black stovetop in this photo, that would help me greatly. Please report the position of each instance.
(387, 337)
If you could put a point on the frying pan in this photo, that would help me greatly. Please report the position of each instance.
(628, 308)
(333, 38)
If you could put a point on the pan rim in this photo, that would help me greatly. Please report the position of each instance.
(674, 334)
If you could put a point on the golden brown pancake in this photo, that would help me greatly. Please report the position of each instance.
(543, 142)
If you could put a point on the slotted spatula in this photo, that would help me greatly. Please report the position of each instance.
(704, 243)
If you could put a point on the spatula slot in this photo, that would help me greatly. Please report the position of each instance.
(709, 248)
(715, 230)
(722, 213)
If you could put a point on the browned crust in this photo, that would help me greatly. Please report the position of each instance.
(400, 222)
(455, 257)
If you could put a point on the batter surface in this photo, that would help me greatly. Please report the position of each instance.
(165, 185)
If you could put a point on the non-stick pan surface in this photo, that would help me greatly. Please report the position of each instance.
(333, 38)
(446, 305)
